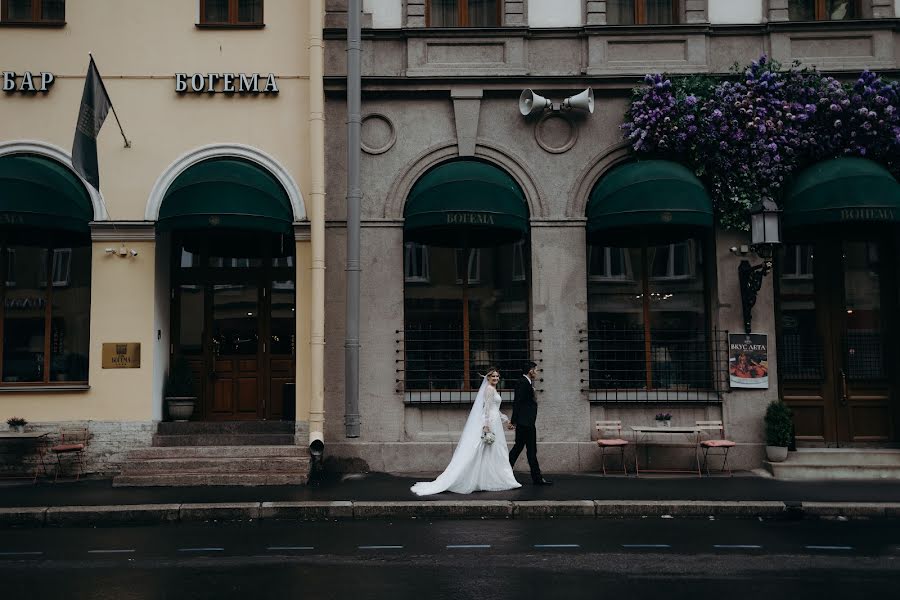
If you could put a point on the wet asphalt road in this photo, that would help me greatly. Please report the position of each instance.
(639, 558)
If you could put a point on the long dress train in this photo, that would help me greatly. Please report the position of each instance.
(477, 466)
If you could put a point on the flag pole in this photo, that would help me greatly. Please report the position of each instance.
(111, 105)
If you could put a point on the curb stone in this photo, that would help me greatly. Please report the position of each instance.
(539, 509)
(19, 517)
(237, 511)
(306, 511)
(452, 509)
(110, 515)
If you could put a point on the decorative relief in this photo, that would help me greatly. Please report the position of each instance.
(377, 134)
(555, 133)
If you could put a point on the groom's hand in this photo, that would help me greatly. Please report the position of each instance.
(510, 426)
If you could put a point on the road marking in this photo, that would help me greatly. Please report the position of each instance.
(557, 546)
(737, 546)
(379, 547)
(646, 546)
(455, 546)
(274, 548)
(128, 551)
(20, 553)
(829, 547)
(201, 549)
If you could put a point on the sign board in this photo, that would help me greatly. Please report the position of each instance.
(748, 361)
(225, 83)
(27, 82)
(121, 355)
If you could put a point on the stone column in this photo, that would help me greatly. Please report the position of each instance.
(778, 10)
(595, 12)
(695, 11)
(883, 9)
(414, 13)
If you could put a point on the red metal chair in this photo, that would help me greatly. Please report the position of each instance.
(72, 442)
(604, 428)
(719, 446)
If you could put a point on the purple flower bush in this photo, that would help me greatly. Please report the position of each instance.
(746, 135)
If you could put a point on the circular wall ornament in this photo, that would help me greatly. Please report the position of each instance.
(555, 133)
(377, 134)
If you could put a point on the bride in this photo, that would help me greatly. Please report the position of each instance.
(477, 465)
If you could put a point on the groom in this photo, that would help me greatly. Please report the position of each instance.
(523, 417)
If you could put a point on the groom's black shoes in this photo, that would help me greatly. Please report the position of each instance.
(543, 481)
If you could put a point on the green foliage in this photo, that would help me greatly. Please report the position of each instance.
(779, 424)
(180, 381)
(16, 422)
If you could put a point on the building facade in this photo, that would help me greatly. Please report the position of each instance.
(490, 237)
(204, 241)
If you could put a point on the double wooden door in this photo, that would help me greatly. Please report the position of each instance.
(233, 318)
(837, 331)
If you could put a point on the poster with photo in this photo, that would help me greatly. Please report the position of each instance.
(748, 361)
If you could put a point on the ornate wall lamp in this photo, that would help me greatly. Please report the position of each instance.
(765, 235)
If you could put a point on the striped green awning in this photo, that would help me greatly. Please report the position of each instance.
(226, 193)
(465, 203)
(842, 190)
(36, 191)
(650, 193)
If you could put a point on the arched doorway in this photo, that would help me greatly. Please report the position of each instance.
(233, 288)
(466, 280)
(46, 273)
(838, 303)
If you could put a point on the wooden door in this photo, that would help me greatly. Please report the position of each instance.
(237, 367)
(834, 340)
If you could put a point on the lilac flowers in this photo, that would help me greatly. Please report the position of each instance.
(745, 136)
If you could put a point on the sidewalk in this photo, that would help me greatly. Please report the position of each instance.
(378, 495)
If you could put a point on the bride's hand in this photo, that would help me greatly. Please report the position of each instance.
(486, 429)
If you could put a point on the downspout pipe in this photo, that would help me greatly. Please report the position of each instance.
(354, 197)
(316, 153)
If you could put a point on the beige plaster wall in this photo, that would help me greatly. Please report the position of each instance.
(138, 47)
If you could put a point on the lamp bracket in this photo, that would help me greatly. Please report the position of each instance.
(750, 279)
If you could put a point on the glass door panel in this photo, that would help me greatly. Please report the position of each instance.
(235, 350)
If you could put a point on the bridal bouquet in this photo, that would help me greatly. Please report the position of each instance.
(488, 437)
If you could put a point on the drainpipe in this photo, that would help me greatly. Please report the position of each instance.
(317, 230)
(354, 196)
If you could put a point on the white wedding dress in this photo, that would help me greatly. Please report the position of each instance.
(477, 466)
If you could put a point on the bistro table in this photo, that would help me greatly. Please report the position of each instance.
(37, 439)
(644, 434)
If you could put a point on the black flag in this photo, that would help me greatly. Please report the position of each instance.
(95, 106)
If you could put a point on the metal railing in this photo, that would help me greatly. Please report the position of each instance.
(626, 364)
(431, 363)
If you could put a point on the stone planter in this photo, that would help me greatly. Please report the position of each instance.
(776, 453)
(17, 428)
(180, 408)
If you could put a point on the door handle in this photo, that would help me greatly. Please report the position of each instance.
(845, 394)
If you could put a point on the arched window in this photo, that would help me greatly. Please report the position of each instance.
(46, 265)
(649, 335)
(466, 280)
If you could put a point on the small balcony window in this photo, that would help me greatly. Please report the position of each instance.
(823, 10)
(464, 13)
(233, 13)
(33, 11)
(642, 12)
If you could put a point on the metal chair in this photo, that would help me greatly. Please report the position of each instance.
(603, 428)
(722, 444)
(72, 442)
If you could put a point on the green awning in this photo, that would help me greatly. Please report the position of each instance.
(226, 193)
(650, 193)
(842, 190)
(38, 192)
(465, 203)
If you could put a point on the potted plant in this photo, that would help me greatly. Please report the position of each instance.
(17, 424)
(179, 389)
(779, 430)
(664, 419)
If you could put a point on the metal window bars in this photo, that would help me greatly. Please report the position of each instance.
(431, 363)
(629, 364)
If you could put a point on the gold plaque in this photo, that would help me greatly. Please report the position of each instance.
(122, 356)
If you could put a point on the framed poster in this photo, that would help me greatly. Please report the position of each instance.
(748, 361)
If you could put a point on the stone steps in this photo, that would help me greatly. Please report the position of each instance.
(207, 479)
(200, 452)
(834, 464)
(224, 427)
(241, 465)
(224, 439)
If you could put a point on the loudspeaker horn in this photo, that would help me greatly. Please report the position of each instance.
(584, 101)
(530, 103)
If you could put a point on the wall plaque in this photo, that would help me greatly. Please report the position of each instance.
(121, 356)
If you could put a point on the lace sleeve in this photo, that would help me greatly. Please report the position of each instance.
(486, 410)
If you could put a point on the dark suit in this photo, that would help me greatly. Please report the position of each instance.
(523, 417)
